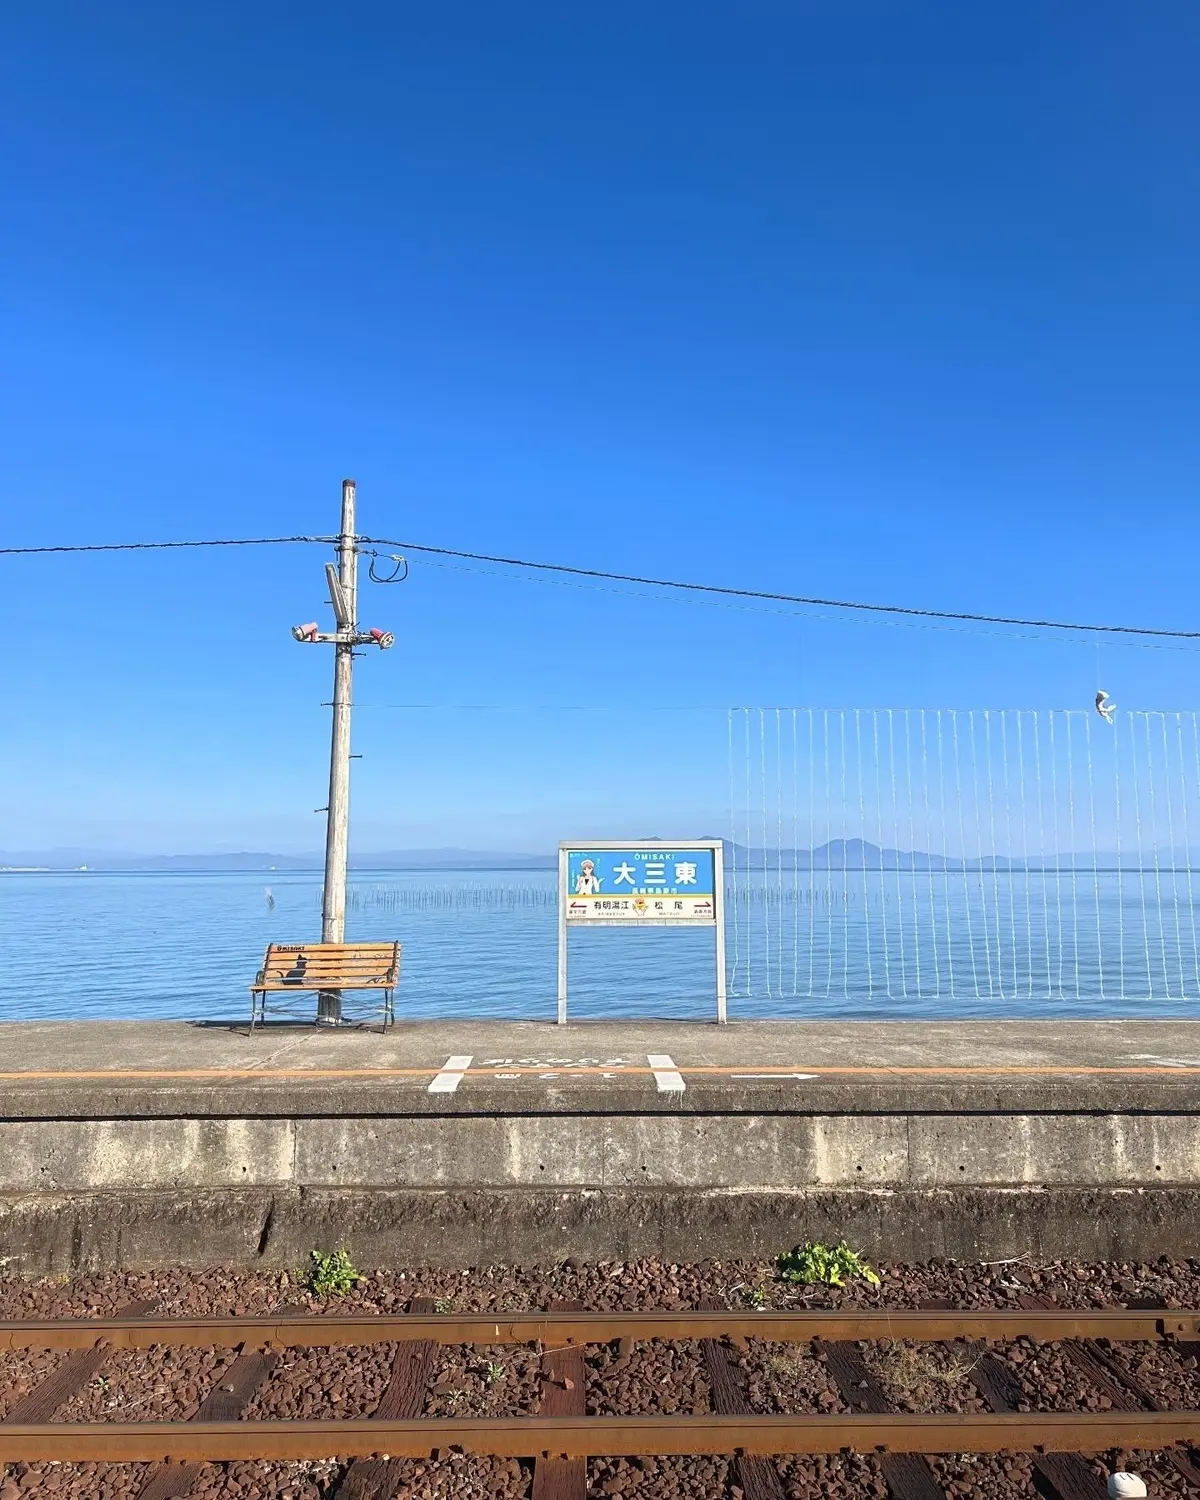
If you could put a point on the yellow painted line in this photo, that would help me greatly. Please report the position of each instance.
(996, 1070)
(1033, 1070)
(218, 1073)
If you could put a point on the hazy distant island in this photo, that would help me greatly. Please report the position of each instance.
(98, 860)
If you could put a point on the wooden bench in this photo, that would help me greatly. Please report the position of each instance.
(301, 967)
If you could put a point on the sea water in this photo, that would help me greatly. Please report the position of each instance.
(92, 945)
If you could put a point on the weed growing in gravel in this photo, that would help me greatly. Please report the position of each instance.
(911, 1373)
(332, 1275)
(817, 1263)
(493, 1372)
(755, 1296)
(443, 1305)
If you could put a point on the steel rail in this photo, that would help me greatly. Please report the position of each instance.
(592, 1437)
(316, 1331)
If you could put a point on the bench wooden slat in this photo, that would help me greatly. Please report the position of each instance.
(351, 977)
(357, 961)
(331, 961)
(285, 948)
(290, 959)
(332, 950)
(330, 982)
(354, 960)
(364, 971)
(332, 966)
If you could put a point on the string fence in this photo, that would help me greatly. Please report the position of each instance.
(920, 854)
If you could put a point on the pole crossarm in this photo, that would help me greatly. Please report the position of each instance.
(384, 639)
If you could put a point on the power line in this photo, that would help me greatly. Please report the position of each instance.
(245, 541)
(857, 606)
(891, 622)
(713, 588)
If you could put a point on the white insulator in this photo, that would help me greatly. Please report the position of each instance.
(1125, 1486)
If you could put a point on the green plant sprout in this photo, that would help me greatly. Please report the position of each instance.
(332, 1275)
(818, 1264)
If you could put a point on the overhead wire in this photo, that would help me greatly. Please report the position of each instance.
(641, 580)
(240, 541)
(890, 622)
(779, 598)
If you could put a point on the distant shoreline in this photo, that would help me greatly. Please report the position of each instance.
(768, 870)
(545, 869)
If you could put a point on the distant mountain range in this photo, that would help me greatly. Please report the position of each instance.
(858, 854)
(836, 855)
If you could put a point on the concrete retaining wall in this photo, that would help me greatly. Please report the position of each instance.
(47, 1234)
(601, 1150)
(470, 1188)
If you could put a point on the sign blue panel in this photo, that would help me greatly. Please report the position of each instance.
(640, 883)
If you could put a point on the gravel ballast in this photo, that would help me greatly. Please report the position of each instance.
(625, 1377)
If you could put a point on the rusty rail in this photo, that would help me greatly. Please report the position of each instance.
(588, 1437)
(561, 1437)
(556, 1328)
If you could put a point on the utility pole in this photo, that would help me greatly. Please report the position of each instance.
(343, 596)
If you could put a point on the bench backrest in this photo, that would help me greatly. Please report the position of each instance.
(318, 966)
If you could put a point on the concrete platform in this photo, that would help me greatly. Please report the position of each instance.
(88, 1069)
(463, 1142)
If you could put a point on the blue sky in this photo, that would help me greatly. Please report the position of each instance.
(883, 302)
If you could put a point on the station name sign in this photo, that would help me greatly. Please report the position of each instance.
(639, 883)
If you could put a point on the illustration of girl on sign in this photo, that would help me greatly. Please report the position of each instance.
(587, 882)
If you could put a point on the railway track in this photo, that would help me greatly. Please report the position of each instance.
(995, 1350)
